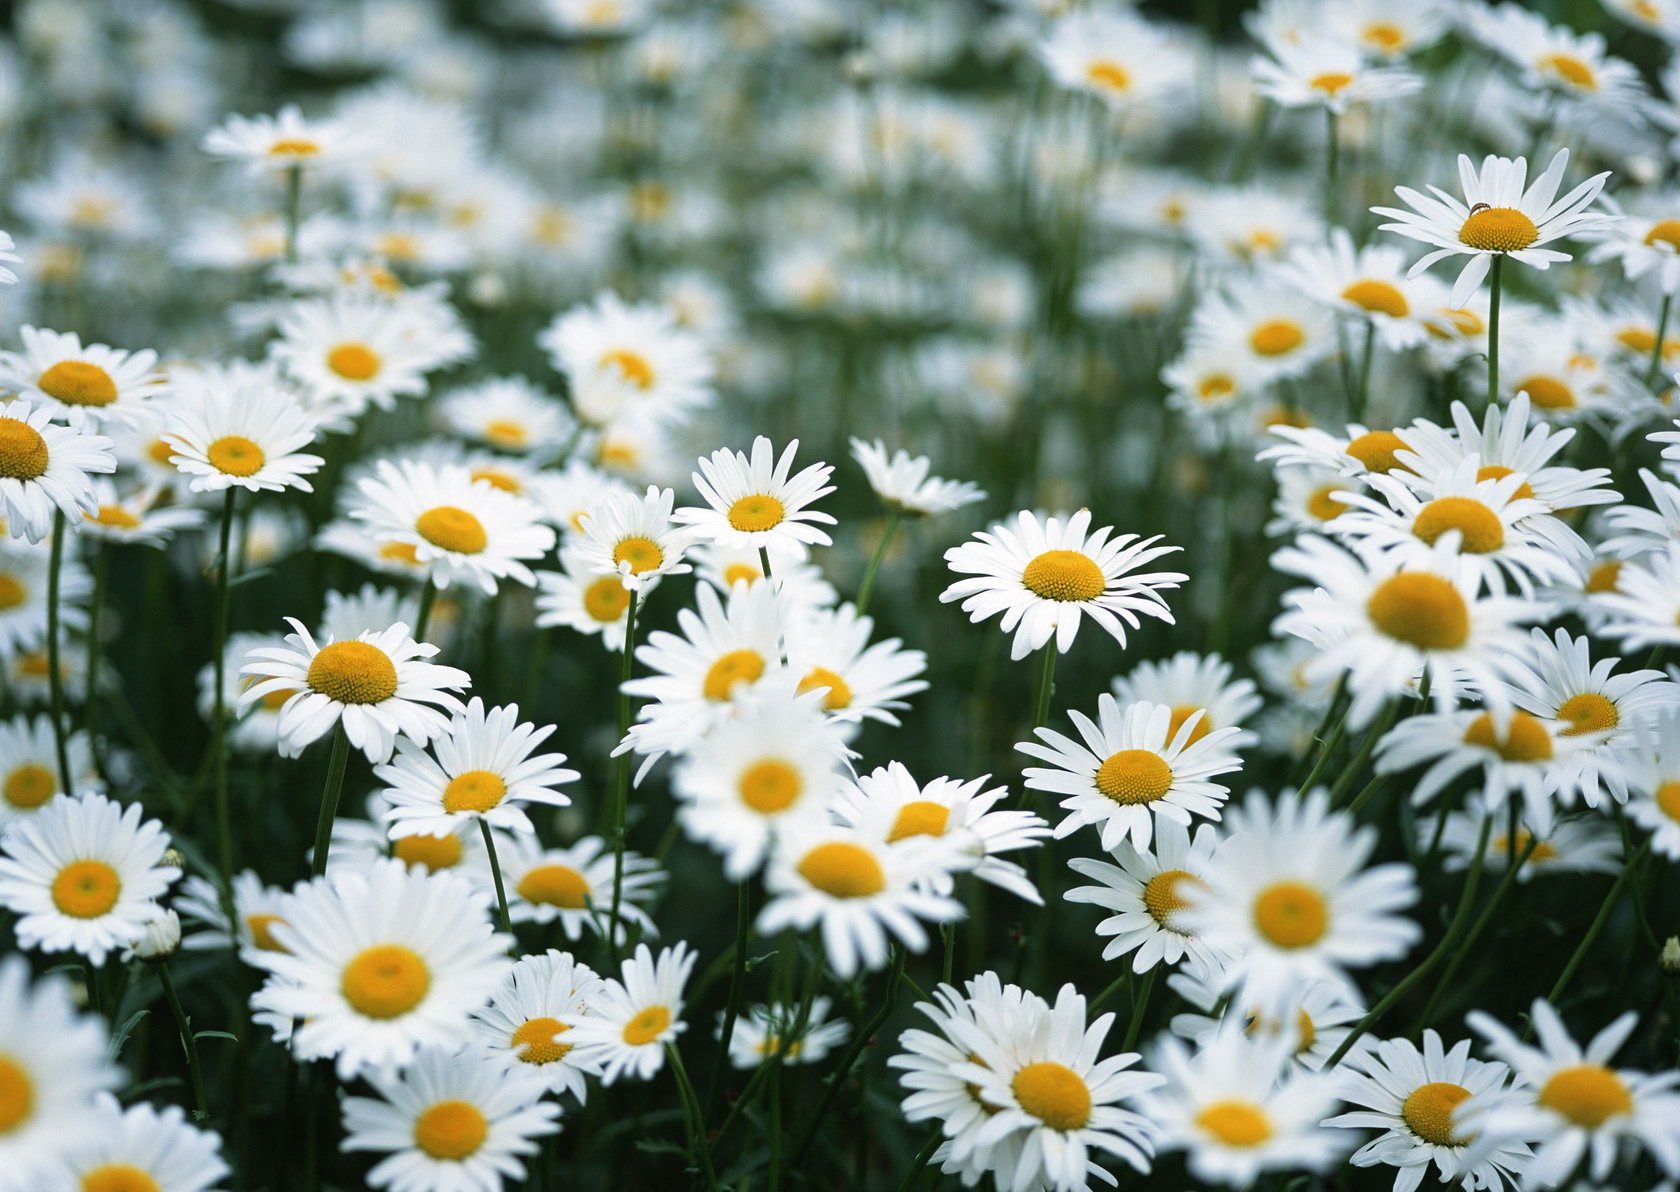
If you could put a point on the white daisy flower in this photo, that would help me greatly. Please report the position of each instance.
(629, 1020)
(1653, 776)
(459, 1121)
(1572, 844)
(284, 140)
(245, 438)
(1557, 59)
(830, 649)
(1327, 72)
(620, 358)
(1188, 683)
(1045, 576)
(143, 1147)
(29, 777)
(573, 886)
(359, 843)
(45, 470)
(1643, 610)
(1646, 242)
(756, 502)
(565, 496)
(136, 516)
(1321, 1022)
(348, 353)
(634, 538)
(1129, 770)
(904, 486)
(1116, 57)
(1144, 890)
(526, 1019)
(1355, 452)
(377, 685)
(1267, 326)
(255, 903)
(83, 875)
(799, 582)
(94, 383)
(1384, 31)
(510, 414)
(1369, 283)
(580, 599)
(379, 963)
(760, 1032)
(1642, 531)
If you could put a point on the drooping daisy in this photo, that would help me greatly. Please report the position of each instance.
(1573, 1104)
(621, 358)
(1411, 1095)
(484, 768)
(1045, 576)
(634, 538)
(1115, 56)
(1144, 892)
(526, 1019)
(763, 1031)
(1573, 844)
(352, 353)
(1497, 215)
(904, 486)
(830, 649)
(468, 530)
(756, 502)
(45, 469)
(378, 685)
(1327, 72)
(29, 776)
(1188, 683)
(1130, 769)
(574, 885)
(510, 414)
(143, 1147)
(459, 1121)
(284, 140)
(380, 962)
(1369, 283)
(95, 382)
(244, 438)
(1290, 900)
(136, 516)
(83, 875)
(630, 1019)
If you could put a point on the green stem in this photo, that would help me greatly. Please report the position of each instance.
(201, 1109)
(737, 979)
(90, 703)
(1655, 370)
(66, 779)
(853, 1050)
(1139, 1005)
(1327, 747)
(1603, 916)
(428, 597)
(913, 1173)
(621, 775)
(1512, 869)
(1332, 168)
(868, 584)
(1493, 331)
(1362, 395)
(224, 597)
(696, 1125)
(329, 800)
(501, 890)
(1046, 685)
(1114, 987)
(1366, 747)
(294, 206)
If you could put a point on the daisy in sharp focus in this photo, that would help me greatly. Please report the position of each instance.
(830, 649)
(578, 598)
(759, 502)
(1130, 769)
(526, 1019)
(143, 1147)
(46, 470)
(1144, 890)
(246, 438)
(284, 140)
(904, 486)
(573, 885)
(630, 1019)
(95, 382)
(1496, 215)
(634, 538)
(378, 685)
(457, 1121)
(1044, 577)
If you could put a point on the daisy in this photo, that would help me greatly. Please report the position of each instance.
(284, 140)
(24, 579)
(1557, 59)
(760, 1032)
(386, 556)
(468, 530)
(358, 843)
(526, 1019)
(53, 1063)
(8, 257)
(830, 649)
(630, 1020)
(579, 599)
(1572, 1104)
(858, 890)
(45, 469)
(1411, 1096)
(799, 582)
(574, 885)
(1384, 31)
(889, 805)
(1144, 890)
(1497, 215)
(509, 414)
(1547, 361)
(1130, 770)
(1323, 1019)
(244, 438)
(136, 516)
(755, 502)
(94, 383)
(1248, 225)
(83, 875)
(1574, 844)
(1644, 530)
(377, 685)
(380, 962)
(1289, 899)
(462, 1121)
(1269, 327)
(1643, 609)
(1044, 576)
(368, 609)
(256, 905)
(1645, 241)
(143, 1147)
(1369, 283)
(352, 353)
(620, 357)
(1116, 57)
(904, 486)
(634, 538)
(1189, 683)
(1327, 72)
(29, 777)
(1653, 775)
(565, 496)
(484, 769)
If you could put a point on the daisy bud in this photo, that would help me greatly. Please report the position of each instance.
(1669, 959)
(162, 938)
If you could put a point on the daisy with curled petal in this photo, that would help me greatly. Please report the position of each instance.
(1290, 901)
(1239, 1108)
(634, 538)
(572, 885)
(1643, 609)
(1130, 769)
(461, 1121)
(1572, 1103)
(29, 777)
(137, 516)
(890, 805)
(469, 531)
(1653, 777)
(282, 141)
(629, 1019)
(526, 1019)
(1381, 621)
(830, 649)
(1045, 576)
(580, 599)
(256, 904)
(246, 438)
(756, 503)
(1321, 1022)
(380, 962)
(45, 470)
(510, 414)
(856, 889)
(1573, 844)
(378, 685)
(761, 1030)
(622, 358)
(1188, 683)
(83, 875)
(93, 383)
(1145, 891)
(904, 486)
(143, 1147)
(483, 769)
(1411, 1095)
(1497, 215)
(1327, 72)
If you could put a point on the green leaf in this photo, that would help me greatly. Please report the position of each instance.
(120, 1036)
(215, 1035)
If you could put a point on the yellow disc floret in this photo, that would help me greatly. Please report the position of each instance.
(385, 981)
(756, 513)
(23, 452)
(1064, 575)
(1479, 529)
(236, 455)
(86, 889)
(474, 790)
(1428, 1112)
(1054, 1094)
(770, 785)
(353, 672)
(1291, 914)
(1134, 776)
(555, 885)
(1420, 609)
(1498, 229)
(843, 870)
(451, 528)
(451, 1130)
(1587, 1094)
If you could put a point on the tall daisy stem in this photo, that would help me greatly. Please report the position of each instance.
(694, 1124)
(201, 1108)
(55, 673)
(1046, 684)
(868, 585)
(853, 1050)
(496, 875)
(621, 776)
(1493, 329)
(1332, 168)
(294, 211)
(423, 619)
(737, 978)
(218, 728)
(1362, 394)
(90, 702)
(1140, 1005)
(329, 800)
(1655, 371)
(1635, 863)
(1512, 869)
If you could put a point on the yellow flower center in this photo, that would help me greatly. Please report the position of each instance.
(1571, 70)
(354, 362)
(1668, 799)
(1291, 914)
(1162, 895)
(1134, 776)
(496, 478)
(1420, 609)
(385, 981)
(737, 666)
(555, 885)
(430, 852)
(1064, 575)
(647, 1026)
(741, 573)
(643, 554)
(1183, 712)
(537, 1037)
(920, 817)
(1499, 472)
(754, 514)
(1667, 232)
(1216, 386)
(475, 790)
(1548, 393)
(1054, 1094)
(86, 889)
(119, 1177)
(1540, 852)
(1587, 1094)
(115, 517)
(23, 452)
(770, 785)
(1331, 82)
(1588, 712)
(1459, 321)
(1236, 1123)
(30, 785)
(1526, 740)
(632, 366)
(1322, 503)
(839, 694)
(1276, 337)
(451, 528)
(400, 552)
(1498, 229)
(17, 1095)
(353, 673)
(1107, 75)
(606, 599)
(1604, 576)
(78, 383)
(293, 147)
(1479, 528)
(1428, 1109)
(843, 870)
(262, 931)
(451, 1130)
(1377, 449)
(236, 455)
(1383, 36)
(1379, 297)
(504, 432)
